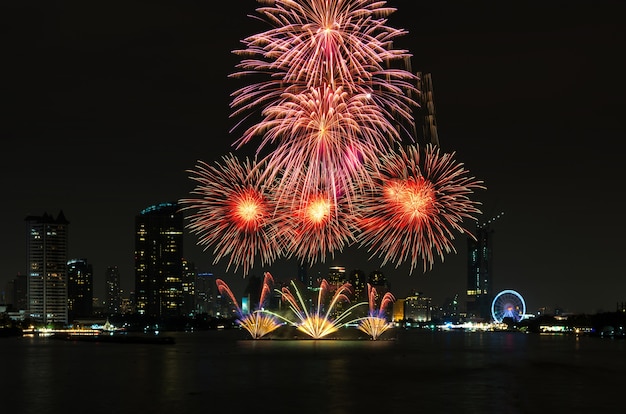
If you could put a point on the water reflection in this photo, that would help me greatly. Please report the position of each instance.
(440, 372)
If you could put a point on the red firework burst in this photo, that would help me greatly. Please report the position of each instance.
(315, 225)
(233, 213)
(416, 206)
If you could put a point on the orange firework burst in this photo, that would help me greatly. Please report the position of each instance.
(416, 206)
(233, 213)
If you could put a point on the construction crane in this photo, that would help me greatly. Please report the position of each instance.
(488, 222)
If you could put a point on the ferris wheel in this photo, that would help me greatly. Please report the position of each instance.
(508, 304)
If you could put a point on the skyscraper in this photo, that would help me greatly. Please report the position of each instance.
(79, 289)
(189, 288)
(337, 276)
(358, 282)
(159, 261)
(46, 253)
(205, 294)
(480, 272)
(113, 291)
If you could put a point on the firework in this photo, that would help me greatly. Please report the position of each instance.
(416, 206)
(233, 213)
(327, 130)
(326, 42)
(332, 100)
(258, 323)
(315, 224)
(375, 324)
(319, 323)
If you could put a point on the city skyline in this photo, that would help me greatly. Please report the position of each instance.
(122, 111)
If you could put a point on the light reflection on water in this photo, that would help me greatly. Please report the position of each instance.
(416, 371)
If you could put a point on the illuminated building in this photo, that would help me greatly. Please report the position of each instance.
(303, 275)
(398, 310)
(189, 288)
(205, 294)
(159, 261)
(251, 294)
(378, 281)
(337, 276)
(113, 292)
(480, 272)
(417, 307)
(46, 252)
(79, 289)
(358, 281)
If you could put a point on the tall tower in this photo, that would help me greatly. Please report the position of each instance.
(159, 261)
(189, 288)
(205, 293)
(79, 289)
(426, 124)
(480, 272)
(46, 253)
(113, 290)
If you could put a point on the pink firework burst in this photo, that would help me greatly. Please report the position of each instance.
(233, 213)
(342, 43)
(416, 206)
(328, 131)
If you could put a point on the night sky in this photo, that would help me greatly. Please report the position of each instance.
(107, 105)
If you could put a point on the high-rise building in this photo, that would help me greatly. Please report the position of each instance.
(205, 294)
(189, 288)
(46, 253)
(480, 272)
(303, 275)
(358, 283)
(159, 261)
(113, 290)
(337, 276)
(378, 280)
(79, 289)
(17, 292)
(417, 307)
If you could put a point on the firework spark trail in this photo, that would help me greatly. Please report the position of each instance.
(315, 226)
(319, 324)
(376, 323)
(386, 300)
(234, 213)
(335, 42)
(258, 323)
(414, 210)
(331, 133)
